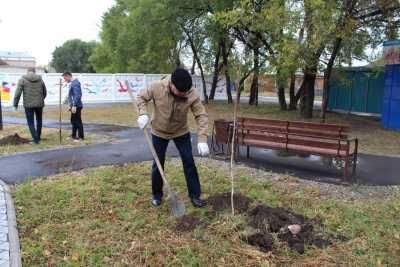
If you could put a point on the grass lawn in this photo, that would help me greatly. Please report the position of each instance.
(103, 217)
(373, 138)
(50, 139)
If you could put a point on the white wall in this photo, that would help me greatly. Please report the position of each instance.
(97, 88)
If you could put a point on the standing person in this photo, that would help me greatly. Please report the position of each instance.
(33, 89)
(75, 106)
(173, 98)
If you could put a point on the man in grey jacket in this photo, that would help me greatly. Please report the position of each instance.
(33, 89)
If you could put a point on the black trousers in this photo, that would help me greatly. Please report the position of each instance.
(36, 132)
(184, 146)
(77, 125)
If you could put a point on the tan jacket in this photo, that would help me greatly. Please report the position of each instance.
(169, 119)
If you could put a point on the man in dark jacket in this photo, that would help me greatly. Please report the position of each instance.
(34, 92)
(75, 106)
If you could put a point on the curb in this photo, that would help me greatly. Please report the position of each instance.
(15, 251)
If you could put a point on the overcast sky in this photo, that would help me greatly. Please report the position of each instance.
(37, 27)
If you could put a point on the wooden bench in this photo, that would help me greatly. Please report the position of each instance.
(326, 140)
(221, 137)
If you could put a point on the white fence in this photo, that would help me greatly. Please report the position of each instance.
(98, 88)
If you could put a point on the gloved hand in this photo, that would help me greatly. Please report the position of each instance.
(203, 149)
(142, 121)
(73, 110)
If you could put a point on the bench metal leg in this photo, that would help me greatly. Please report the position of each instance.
(346, 167)
(354, 164)
(355, 157)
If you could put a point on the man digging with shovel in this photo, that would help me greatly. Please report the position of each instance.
(173, 97)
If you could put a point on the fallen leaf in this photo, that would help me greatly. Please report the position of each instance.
(75, 256)
(46, 253)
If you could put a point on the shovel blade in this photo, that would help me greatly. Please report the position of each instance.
(176, 206)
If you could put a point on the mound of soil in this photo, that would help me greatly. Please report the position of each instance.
(262, 240)
(270, 219)
(276, 220)
(187, 223)
(222, 201)
(13, 140)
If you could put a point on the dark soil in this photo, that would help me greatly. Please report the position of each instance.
(13, 140)
(276, 220)
(187, 223)
(262, 240)
(269, 219)
(220, 202)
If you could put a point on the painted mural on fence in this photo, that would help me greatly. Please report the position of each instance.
(98, 88)
(8, 85)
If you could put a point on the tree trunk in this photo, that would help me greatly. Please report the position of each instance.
(327, 76)
(192, 71)
(198, 61)
(226, 70)
(281, 84)
(253, 100)
(307, 96)
(216, 74)
(292, 95)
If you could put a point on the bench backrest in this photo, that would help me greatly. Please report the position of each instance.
(291, 135)
(222, 131)
(305, 129)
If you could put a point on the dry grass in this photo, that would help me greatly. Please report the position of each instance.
(373, 138)
(103, 217)
(50, 139)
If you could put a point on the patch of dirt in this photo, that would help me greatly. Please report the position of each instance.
(276, 220)
(187, 223)
(262, 240)
(222, 201)
(269, 219)
(13, 140)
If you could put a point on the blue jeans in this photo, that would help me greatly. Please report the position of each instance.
(184, 146)
(30, 118)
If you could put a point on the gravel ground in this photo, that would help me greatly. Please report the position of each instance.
(293, 184)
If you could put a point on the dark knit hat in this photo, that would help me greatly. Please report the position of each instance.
(181, 79)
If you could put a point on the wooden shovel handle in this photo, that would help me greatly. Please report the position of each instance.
(149, 142)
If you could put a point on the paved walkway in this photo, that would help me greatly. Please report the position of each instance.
(9, 242)
(130, 146)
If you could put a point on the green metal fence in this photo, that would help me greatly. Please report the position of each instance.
(358, 89)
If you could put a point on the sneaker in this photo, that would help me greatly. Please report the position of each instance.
(198, 203)
(77, 140)
(156, 202)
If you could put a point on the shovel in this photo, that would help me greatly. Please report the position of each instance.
(176, 206)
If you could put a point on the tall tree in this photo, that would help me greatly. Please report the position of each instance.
(73, 56)
(138, 36)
